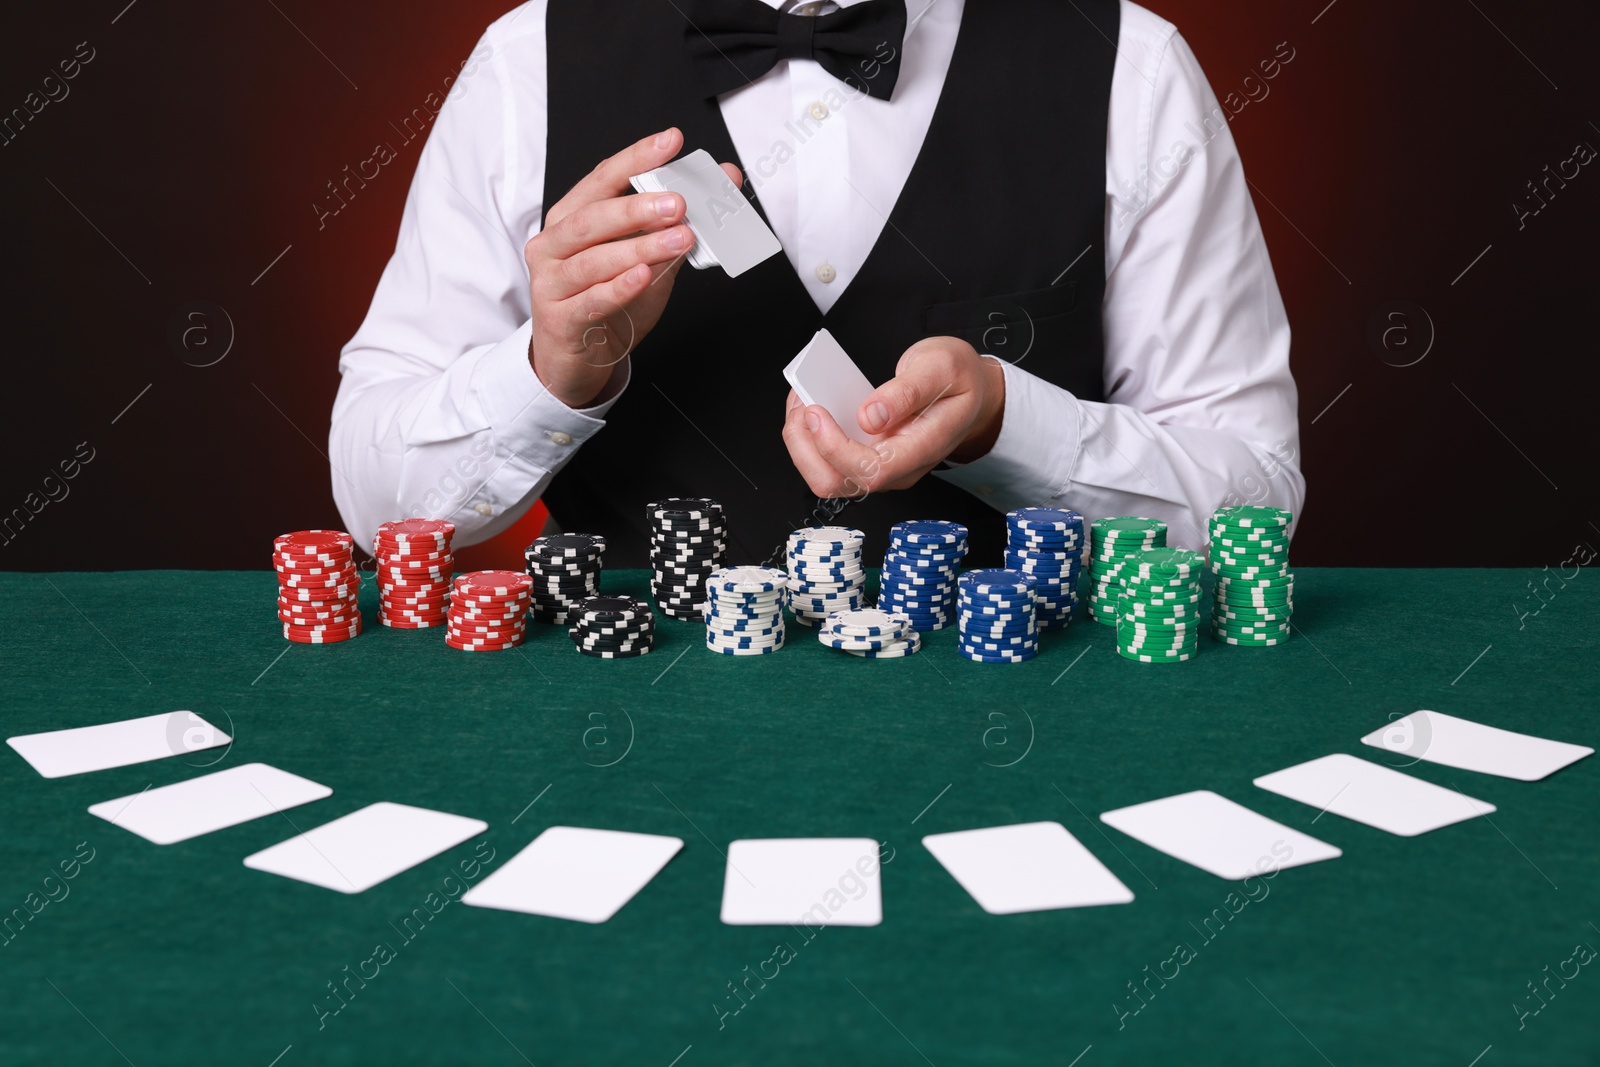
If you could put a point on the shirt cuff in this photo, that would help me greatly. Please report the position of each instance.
(1032, 460)
(530, 425)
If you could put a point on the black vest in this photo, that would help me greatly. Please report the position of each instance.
(1008, 190)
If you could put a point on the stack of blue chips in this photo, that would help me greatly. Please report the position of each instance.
(998, 623)
(1047, 545)
(919, 572)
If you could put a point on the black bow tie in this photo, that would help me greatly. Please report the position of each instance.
(733, 42)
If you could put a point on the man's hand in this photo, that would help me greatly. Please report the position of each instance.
(601, 270)
(944, 402)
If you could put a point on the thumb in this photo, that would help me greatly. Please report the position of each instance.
(897, 400)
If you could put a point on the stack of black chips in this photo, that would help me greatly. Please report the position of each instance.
(614, 627)
(565, 569)
(687, 538)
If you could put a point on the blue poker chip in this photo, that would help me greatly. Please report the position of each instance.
(901, 557)
(928, 532)
(995, 580)
(1007, 630)
(1042, 518)
(979, 657)
(996, 643)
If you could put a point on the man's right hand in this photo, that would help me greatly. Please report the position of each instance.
(601, 270)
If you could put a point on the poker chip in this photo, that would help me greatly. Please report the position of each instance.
(825, 572)
(414, 569)
(1112, 541)
(870, 633)
(1047, 544)
(318, 586)
(563, 571)
(613, 627)
(918, 578)
(1155, 605)
(997, 617)
(744, 609)
(488, 610)
(1253, 598)
(688, 536)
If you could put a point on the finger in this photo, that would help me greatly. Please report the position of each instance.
(610, 177)
(921, 445)
(605, 261)
(609, 219)
(820, 476)
(591, 308)
(923, 379)
(855, 462)
(734, 174)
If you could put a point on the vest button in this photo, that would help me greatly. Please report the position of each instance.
(826, 273)
(483, 509)
(819, 110)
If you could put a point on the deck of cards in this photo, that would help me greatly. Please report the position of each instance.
(729, 232)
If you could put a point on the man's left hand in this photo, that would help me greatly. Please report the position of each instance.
(944, 402)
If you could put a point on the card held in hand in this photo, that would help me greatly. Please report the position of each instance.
(728, 230)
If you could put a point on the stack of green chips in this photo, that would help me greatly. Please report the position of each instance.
(1111, 543)
(1255, 590)
(1159, 617)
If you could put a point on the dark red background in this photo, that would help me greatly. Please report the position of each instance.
(200, 134)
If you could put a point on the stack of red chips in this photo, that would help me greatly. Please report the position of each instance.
(414, 568)
(489, 611)
(317, 586)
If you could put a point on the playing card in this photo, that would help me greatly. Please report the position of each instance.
(1215, 834)
(728, 230)
(1031, 866)
(183, 810)
(1472, 746)
(1378, 796)
(572, 873)
(815, 881)
(356, 852)
(117, 744)
(823, 374)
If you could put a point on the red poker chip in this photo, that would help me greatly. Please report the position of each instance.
(413, 609)
(417, 563)
(405, 530)
(293, 603)
(409, 624)
(389, 575)
(306, 635)
(487, 620)
(481, 646)
(334, 595)
(494, 583)
(345, 576)
(414, 585)
(420, 620)
(301, 564)
(330, 614)
(331, 594)
(488, 627)
(413, 593)
(313, 542)
(299, 637)
(409, 550)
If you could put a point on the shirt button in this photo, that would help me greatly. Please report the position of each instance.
(826, 273)
(561, 438)
(483, 509)
(819, 110)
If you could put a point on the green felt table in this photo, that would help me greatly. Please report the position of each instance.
(1405, 950)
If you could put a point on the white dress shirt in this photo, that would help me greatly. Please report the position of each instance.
(439, 412)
